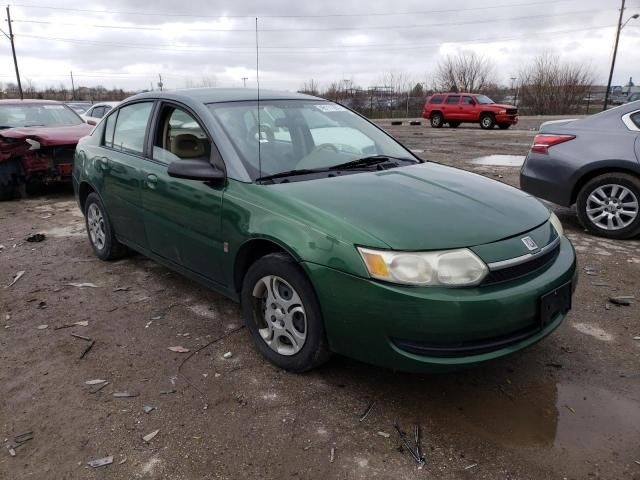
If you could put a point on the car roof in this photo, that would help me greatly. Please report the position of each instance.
(457, 93)
(30, 101)
(215, 95)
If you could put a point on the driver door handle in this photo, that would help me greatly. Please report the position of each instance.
(152, 180)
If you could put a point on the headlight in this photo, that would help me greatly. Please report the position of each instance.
(502, 112)
(452, 268)
(557, 224)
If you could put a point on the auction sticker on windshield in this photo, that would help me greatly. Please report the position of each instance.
(328, 107)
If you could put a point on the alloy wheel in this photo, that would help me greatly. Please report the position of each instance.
(95, 222)
(280, 315)
(612, 207)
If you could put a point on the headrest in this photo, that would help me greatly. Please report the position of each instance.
(186, 145)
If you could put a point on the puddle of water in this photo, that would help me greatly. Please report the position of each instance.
(499, 160)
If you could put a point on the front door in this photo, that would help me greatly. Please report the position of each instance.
(467, 109)
(120, 159)
(182, 218)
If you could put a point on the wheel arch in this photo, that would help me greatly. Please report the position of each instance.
(600, 168)
(436, 111)
(84, 190)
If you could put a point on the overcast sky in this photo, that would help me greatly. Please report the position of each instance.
(327, 40)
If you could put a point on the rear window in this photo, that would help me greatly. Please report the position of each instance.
(451, 99)
(437, 99)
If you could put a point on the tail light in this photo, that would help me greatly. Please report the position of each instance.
(543, 141)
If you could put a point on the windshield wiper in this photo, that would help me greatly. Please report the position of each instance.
(366, 161)
(292, 173)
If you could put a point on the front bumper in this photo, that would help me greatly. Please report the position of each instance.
(506, 118)
(364, 319)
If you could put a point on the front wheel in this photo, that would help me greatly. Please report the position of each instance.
(282, 313)
(101, 234)
(487, 121)
(608, 205)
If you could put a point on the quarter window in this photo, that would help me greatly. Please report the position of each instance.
(635, 118)
(131, 127)
(180, 137)
(437, 99)
(108, 130)
(452, 99)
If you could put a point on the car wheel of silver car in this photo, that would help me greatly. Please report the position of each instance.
(282, 313)
(436, 120)
(609, 205)
(101, 235)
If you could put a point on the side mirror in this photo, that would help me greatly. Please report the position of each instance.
(92, 122)
(195, 170)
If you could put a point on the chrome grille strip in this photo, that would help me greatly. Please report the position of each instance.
(524, 258)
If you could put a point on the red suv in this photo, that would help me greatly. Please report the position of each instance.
(455, 108)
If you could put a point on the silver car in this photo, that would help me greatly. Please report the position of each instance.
(593, 163)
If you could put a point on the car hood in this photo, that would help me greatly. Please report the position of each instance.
(501, 106)
(419, 207)
(49, 136)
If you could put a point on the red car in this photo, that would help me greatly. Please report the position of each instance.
(456, 108)
(37, 142)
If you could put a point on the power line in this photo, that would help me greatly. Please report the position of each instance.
(327, 15)
(312, 50)
(330, 29)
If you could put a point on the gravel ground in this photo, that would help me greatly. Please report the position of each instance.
(568, 407)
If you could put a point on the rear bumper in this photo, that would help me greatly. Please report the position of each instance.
(544, 177)
(387, 325)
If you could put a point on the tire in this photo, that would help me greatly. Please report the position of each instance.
(437, 120)
(504, 126)
(295, 342)
(8, 191)
(601, 201)
(99, 230)
(454, 124)
(487, 121)
(10, 180)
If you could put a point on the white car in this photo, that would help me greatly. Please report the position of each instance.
(98, 110)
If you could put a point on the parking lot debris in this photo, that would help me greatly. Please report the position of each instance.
(332, 455)
(384, 434)
(471, 466)
(227, 355)
(36, 237)
(636, 338)
(124, 394)
(147, 438)
(12, 452)
(168, 392)
(396, 122)
(82, 337)
(179, 349)
(148, 408)
(600, 284)
(415, 122)
(570, 409)
(82, 285)
(17, 277)
(121, 462)
(621, 301)
(415, 451)
(96, 390)
(367, 411)
(42, 327)
(83, 323)
(121, 289)
(95, 381)
(100, 462)
(42, 305)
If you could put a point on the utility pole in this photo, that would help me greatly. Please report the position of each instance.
(613, 60)
(244, 81)
(73, 88)
(160, 84)
(13, 49)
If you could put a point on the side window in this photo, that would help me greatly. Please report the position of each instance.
(131, 127)
(108, 130)
(179, 136)
(635, 118)
(452, 99)
(467, 100)
(98, 112)
(437, 99)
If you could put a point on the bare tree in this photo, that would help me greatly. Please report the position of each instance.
(465, 72)
(551, 86)
(310, 87)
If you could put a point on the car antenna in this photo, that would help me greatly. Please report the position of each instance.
(258, 82)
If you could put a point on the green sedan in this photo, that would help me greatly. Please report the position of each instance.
(334, 237)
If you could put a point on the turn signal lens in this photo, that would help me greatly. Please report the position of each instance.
(375, 264)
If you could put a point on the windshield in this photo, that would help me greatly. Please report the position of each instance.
(301, 135)
(37, 115)
(483, 99)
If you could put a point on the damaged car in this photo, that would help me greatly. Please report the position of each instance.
(37, 143)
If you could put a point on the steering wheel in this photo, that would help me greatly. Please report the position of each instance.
(324, 146)
(264, 128)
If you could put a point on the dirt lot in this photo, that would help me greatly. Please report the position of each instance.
(567, 408)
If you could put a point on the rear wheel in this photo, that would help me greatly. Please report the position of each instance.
(101, 234)
(609, 205)
(454, 124)
(437, 120)
(504, 126)
(487, 121)
(282, 313)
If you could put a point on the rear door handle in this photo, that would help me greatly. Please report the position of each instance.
(152, 180)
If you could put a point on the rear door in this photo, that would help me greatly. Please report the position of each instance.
(182, 218)
(121, 161)
(450, 108)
